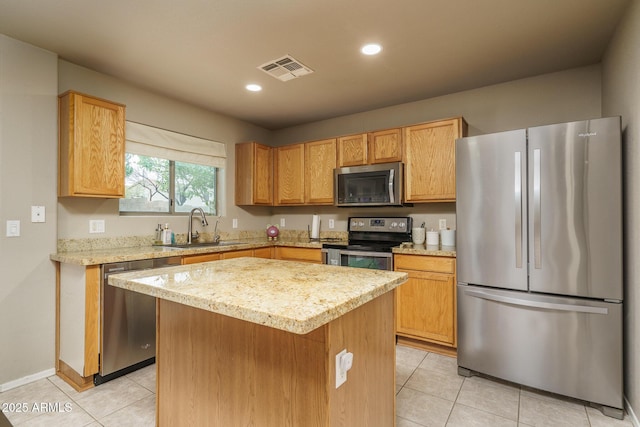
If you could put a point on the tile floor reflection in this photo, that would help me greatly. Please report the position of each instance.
(429, 393)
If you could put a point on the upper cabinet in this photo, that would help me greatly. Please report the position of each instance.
(430, 162)
(320, 161)
(254, 174)
(353, 150)
(91, 146)
(304, 173)
(382, 146)
(385, 146)
(289, 174)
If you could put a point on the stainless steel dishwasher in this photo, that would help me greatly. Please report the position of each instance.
(127, 323)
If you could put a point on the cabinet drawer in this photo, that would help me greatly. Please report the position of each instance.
(425, 263)
(299, 254)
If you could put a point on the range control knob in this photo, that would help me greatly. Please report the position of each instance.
(361, 223)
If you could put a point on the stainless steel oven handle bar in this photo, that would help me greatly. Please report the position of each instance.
(367, 253)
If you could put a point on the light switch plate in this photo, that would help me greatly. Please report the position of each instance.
(96, 226)
(37, 214)
(442, 224)
(282, 222)
(13, 228)
(332, 224)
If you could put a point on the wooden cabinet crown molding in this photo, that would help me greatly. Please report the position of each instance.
(91, 146)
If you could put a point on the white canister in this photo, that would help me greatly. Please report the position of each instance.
(432, 238)
(417, 235)
(448, 237)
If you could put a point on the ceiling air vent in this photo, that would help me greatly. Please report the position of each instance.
(285, 68)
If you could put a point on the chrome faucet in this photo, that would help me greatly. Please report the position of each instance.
(191, 236)
(216, 236)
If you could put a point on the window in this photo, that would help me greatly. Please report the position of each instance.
(167, 173)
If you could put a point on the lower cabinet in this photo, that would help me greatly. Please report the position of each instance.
(426, 303)
(299, 254)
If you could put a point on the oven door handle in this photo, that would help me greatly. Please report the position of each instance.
(367, 253)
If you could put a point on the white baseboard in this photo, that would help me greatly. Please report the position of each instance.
(28, 379)
(631, 414)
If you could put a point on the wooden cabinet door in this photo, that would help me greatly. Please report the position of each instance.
(236, 254)
(91, 147)
(263, 252)
(352, 150)
(426, 307)
(385, 146)
(289, 175)
(430, 167)
(320, 161)
(254, 174)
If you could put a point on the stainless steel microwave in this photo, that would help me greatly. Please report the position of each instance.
(369, 185)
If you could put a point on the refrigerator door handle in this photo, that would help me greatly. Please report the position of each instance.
(536, 304)
(537, 255)
(518, 202)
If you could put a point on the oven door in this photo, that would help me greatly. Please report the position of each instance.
(358, 259)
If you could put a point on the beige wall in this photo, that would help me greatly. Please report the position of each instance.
(550, 98)
(621, 96)
(146, 107)
(28, 147)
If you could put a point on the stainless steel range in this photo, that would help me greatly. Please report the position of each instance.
(370, 242)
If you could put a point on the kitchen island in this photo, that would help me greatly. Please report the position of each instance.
(251, 341)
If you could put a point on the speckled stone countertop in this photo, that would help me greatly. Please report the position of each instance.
(108, 255)
(291, 296)
(435, 250)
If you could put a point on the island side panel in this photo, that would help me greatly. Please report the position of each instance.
(367, 399)
(219, 371)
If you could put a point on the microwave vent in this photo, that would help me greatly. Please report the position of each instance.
(285, 68)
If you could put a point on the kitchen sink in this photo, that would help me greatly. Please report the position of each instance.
(201, 244)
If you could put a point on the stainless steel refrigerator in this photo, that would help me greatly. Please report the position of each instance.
(539, 259)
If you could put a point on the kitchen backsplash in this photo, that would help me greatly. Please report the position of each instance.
(76, 245)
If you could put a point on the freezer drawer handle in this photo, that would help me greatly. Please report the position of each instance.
(536, 304)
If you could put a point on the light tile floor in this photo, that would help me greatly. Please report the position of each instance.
(429, 393)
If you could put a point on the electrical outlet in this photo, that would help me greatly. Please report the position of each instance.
(344, 362)
(442, 224)
(282, 222)
(332, 224)
(37, 213)
(234, 223)
(96, 226)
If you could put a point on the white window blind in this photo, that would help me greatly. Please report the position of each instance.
(155, 142)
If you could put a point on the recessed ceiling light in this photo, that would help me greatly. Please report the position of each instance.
(371, 49)
(253, 87)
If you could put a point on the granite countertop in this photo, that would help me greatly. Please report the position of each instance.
(435, 250)
(291, 296)
(93, 256)
(103, 256)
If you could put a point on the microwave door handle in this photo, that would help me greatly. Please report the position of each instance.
(391, 198)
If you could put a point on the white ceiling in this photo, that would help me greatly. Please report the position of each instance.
(205, 51)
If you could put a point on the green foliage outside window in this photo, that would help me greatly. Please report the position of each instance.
(154, 185)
